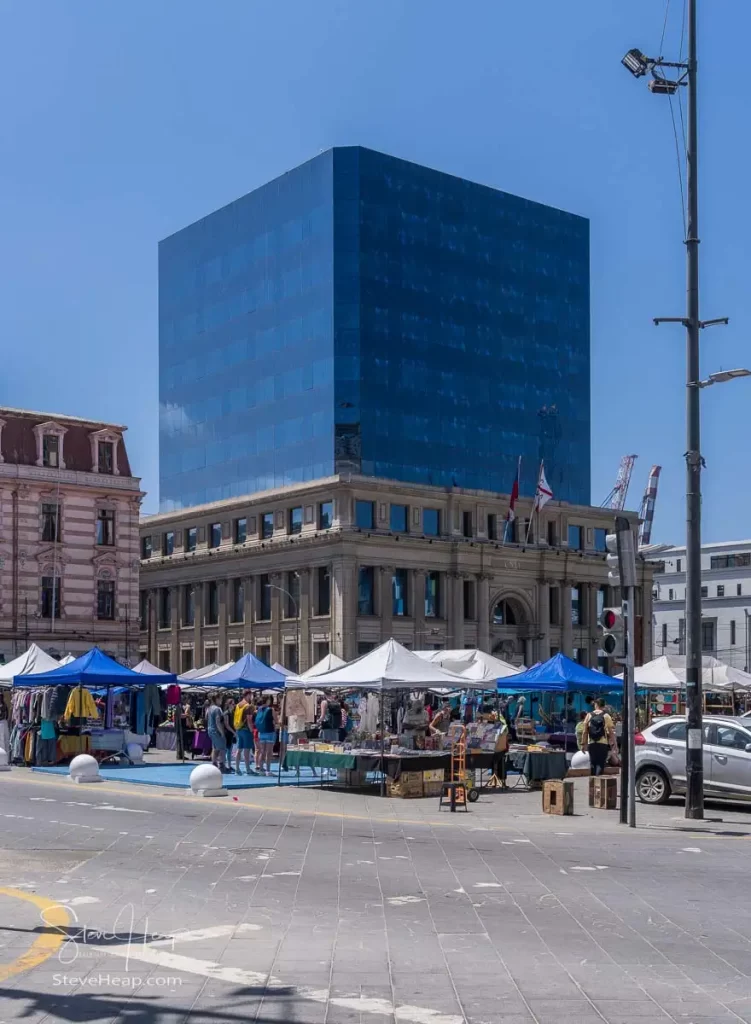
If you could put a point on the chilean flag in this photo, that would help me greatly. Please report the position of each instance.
(511, 514)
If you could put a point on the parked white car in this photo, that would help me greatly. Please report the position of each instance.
(661, 759)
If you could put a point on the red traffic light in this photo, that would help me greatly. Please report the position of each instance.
(609, 619)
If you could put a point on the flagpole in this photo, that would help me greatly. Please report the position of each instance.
(535, 507)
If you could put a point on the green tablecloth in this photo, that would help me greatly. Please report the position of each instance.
(536, 766)
(319, 759)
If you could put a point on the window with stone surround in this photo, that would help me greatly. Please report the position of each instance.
(105, 599)
(105, 527)
(51, 522)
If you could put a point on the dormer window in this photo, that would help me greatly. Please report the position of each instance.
(50, 437)
(106, 457)
(51, 451)
(104, 451)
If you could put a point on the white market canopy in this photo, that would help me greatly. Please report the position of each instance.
(327, 664)
(669, 672)
(146, 667)
(473, 665)
(195, 674)
(30, 663)
(388, 667)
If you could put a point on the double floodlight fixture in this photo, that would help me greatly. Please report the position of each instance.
(639, 64)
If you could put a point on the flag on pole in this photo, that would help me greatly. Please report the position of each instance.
(511, 514)
(543, 494)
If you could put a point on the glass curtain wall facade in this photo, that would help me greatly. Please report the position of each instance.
(365, 314)
(246, 369)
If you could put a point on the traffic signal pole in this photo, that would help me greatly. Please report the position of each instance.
(629, 703)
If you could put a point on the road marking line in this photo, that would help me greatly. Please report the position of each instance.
(215, 932)
(406, 1014)
(44, 946)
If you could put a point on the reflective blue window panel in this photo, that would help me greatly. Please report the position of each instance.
(364, 314)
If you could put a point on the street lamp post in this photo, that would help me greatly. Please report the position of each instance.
(273, 586)
(638, 64)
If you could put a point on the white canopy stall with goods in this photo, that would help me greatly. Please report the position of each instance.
(29, 663)
(473, 664)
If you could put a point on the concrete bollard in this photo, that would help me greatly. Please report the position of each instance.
(206, 780)
(4, 766)
(84, 768)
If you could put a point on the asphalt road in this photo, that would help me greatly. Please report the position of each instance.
(121, 904)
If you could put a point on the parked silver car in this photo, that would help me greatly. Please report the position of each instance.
(661, 759)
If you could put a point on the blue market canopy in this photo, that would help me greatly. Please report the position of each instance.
(92, 670)
(560, 675)
(248, 672)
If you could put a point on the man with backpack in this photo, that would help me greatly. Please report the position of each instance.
(596, 736)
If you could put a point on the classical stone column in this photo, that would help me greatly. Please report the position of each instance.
(175, 628)
(543, 620)
(276, 621)
(456, 611)
(151, 623)
(385, 600)
(483, 612)
(303, 655)
(198, 602)
(248, 603)
(343, 631)
(566, 629)
(417, 597)
(222, 655)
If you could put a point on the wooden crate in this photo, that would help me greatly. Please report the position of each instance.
(557, 796)
(432, 788)
(408, 786)
(603, 792)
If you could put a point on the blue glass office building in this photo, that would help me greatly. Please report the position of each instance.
(365, 314)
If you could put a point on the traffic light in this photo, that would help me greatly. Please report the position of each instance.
(621, 553)
(613, 626)
(611, 544)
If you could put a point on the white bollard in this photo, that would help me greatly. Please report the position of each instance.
(84, 768)
(580, 760)
(206, 780)
(4, 766)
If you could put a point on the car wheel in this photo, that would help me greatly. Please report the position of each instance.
(653, 786)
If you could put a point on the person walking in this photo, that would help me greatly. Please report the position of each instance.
(266, 727)
(229, 729)
(215, 729)
(243, 723)
(596, 736)
(580, 730)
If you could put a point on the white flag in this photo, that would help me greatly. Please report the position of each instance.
(543, 493)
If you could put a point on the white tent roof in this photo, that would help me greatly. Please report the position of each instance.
(473, 664)
(280, 668)
(196, 674)
(389, 667)
(669, 671)
(327, 664)
(66, 660)
(27, 664)
(145, 666)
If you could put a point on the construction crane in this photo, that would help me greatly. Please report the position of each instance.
(647, 510)
(617, 497)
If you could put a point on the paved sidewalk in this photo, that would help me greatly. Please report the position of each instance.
(333, 908)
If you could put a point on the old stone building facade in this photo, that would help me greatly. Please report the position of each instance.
(69, 508)
(343, 563)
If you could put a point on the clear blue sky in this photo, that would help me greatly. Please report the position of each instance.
(123, 122)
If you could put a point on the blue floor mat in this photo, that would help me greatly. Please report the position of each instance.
(177, 776)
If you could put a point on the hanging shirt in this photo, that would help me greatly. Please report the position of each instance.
(80, 705)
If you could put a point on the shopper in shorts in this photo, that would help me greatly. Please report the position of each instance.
(597, 734)
(266, 723)
(244, 715)
(215, 729)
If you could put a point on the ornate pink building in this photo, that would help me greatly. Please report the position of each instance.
(69, 549)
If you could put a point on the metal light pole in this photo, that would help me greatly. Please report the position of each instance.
(638, 64)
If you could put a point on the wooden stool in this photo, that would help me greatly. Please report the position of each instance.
(558, 796)
(454, 794)
(603, 792)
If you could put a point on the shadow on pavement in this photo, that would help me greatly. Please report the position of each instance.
(128, 1008)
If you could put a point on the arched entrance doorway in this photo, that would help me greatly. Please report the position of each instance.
(509, 628)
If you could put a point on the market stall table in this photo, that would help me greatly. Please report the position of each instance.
(534, 766)
(391, 765)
